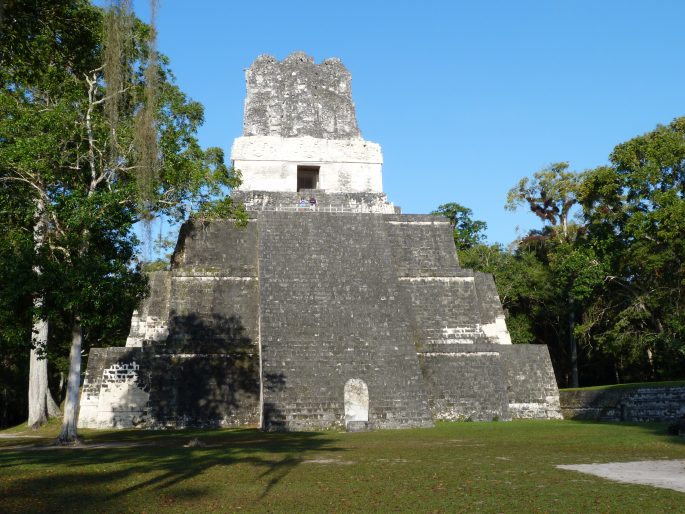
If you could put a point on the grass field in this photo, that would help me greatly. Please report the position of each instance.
(455, 467)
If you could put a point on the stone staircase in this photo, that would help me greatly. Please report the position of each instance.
(330, 311)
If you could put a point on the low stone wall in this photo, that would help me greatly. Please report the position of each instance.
(634, 404)
(291, 201)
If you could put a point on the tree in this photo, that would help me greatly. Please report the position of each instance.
(575, 271)
(16, 286)
(32, 71)
(73, 140)
(550, 196)
(615, 277)
(635, 215)
(467, 231)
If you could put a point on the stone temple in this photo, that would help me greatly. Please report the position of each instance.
(330, 309)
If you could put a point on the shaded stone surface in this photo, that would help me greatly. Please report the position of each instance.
(630, 404)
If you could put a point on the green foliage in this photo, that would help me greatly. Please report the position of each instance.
(550, 195)
(467, 231)
(576, 270)
(17, 283)
(70, 153)
(156, 265)
(618, 272)
(635, 216)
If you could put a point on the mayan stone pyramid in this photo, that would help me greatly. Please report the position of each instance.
(329, 310)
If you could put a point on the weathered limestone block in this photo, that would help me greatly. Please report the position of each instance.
(153, 387)
(466, 383)
(116, 390)
(359, 203)
(356, 401)
(490, 308)
(296, 97)
(327, 318)
(348, 166)
(204, 390)
(531, 384)
(150, 320)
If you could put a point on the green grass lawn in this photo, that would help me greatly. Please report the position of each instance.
(455, 467)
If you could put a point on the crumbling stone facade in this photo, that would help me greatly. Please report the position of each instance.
(296, 97)
(329, 310)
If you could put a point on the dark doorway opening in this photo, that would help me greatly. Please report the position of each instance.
(307, 177)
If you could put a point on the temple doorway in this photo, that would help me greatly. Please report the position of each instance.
(356, 401)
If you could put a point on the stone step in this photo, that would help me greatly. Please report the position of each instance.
(358, 426)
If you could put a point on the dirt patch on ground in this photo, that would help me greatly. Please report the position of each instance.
(328, 461)
(669, 474)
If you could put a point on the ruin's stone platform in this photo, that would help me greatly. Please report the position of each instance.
(267, 324)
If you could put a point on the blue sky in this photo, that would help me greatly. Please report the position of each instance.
(465, 98)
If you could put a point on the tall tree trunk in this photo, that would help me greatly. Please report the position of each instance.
(68, 434)
(41, 404)
(650, 361)
(38, 378)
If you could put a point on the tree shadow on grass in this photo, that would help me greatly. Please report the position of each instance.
(82, 479)
(206, 374)
(656, 428)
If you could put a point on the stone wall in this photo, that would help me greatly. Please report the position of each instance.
(272, 322)
(358, 203)
(153, 387)
(296, 97)
(150, 322)
(115, 392)
(531, 384)
(624, 404)
(205, 372)
(331, 311)
(344, 165)
(483, 381)
(450, 305)
(422, 246)
(466, 383)
(204, 390)
(492, 319)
